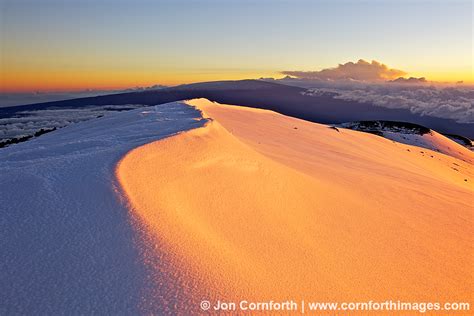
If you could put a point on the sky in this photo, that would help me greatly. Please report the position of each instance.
(64, 45)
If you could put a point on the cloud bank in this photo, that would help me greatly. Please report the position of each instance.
(442, 102)
(361, 71)
(26, 123)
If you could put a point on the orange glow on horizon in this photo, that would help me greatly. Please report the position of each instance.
(32, 81)
(58, 81)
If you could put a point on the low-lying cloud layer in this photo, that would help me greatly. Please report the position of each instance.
(26, 123)
(450, 103)
(361, 71)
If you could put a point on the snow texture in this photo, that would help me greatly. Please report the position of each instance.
(67, 246)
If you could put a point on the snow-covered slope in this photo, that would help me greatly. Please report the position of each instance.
(415, 135)
(254, 203)
(261, 206)
(67, 245)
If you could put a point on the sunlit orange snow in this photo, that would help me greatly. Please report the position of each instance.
(258, 205)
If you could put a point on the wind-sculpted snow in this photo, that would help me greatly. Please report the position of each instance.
(259, 206)
(66, 239)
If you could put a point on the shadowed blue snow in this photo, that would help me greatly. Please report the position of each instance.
(67, 245)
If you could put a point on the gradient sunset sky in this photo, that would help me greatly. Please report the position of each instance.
(102, 44)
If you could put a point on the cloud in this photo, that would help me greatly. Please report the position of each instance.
(28, 122)
(360, 71)
(411, 80)
(443, 102)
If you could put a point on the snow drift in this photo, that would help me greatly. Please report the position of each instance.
(256, 205)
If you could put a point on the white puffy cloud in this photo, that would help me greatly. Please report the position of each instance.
(360, 71)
